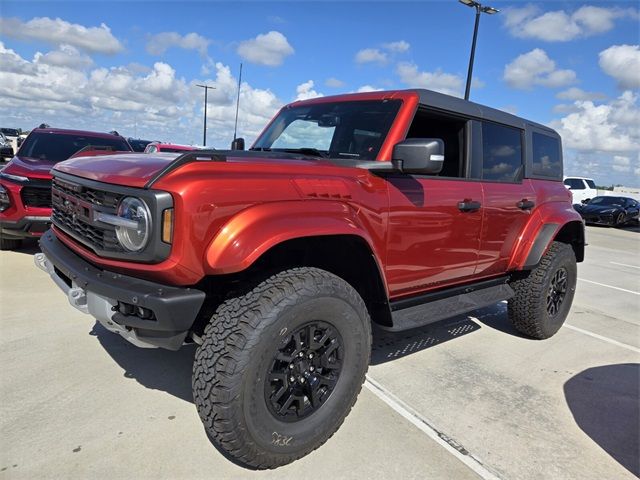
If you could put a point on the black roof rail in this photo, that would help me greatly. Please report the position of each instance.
(187, 157)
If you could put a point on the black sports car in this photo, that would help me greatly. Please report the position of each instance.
(612, 211)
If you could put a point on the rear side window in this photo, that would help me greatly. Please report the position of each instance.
(591, 183)
(501, 152)
(574, 183)
(546, 156)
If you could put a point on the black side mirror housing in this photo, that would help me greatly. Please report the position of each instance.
(419, 155)
(237, 144)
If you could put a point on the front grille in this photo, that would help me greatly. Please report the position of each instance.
(73, 212)
(36, 196)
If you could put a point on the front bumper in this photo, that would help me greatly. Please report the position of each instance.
(606, 219)
(27, 227)
(104, 295)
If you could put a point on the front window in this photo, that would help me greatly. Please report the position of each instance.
(56, 147)
(574, 183)
(354, 130)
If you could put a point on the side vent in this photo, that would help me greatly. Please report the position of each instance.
(325, 188)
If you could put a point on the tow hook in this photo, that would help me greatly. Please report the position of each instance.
(78, 298)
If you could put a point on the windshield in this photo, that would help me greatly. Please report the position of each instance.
(138, 145)
(353, 130)
(607, 201)
(55, 147)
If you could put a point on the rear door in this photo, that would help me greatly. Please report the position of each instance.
(508, 199)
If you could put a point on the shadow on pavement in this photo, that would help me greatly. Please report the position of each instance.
(495, 317)
(153, 368)
(605, 403)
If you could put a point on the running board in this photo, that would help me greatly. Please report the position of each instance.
(433, 307)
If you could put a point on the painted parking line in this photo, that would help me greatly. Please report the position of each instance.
(625, 265)
(609, 286)
(603, 338)
(448, 443)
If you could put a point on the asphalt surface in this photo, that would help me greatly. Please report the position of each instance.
(465, 398)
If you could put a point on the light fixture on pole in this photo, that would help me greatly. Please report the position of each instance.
(206, 90)
(479, 9)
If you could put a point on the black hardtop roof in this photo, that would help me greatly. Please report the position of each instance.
(466, 107)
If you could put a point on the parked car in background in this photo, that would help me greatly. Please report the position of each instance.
(12, 135)
(137, 144)
(25, 183)
(6, 150)
(582, 189)
(609, 210)
(155, 147)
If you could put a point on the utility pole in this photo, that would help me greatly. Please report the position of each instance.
(479, 9)
(206, 90)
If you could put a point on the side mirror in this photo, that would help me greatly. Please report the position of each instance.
(419, 155)
(585, 201)
(237, 144)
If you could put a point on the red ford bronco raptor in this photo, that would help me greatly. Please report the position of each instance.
(399, 208)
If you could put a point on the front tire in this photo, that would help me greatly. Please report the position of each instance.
(620, 219)
(281, 366)
(543, 297)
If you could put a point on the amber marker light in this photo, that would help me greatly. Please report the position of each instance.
(167, 225)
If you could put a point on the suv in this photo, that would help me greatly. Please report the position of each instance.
(582, 189)
(25, 183)
(397, 208)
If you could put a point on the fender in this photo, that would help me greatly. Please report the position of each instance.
(252, 232)
(543, 226)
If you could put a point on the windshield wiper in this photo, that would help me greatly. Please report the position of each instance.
(306, 151)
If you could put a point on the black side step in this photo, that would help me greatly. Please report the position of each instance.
(433, 307)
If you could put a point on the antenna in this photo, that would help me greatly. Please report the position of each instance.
(235, 128)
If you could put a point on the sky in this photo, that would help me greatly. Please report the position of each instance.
(135, 66)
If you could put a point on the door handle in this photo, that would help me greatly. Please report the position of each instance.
(525, 204)
(469, 205)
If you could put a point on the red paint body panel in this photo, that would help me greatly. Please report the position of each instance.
(431, 242)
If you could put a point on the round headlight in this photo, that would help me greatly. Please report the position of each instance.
(133, 238)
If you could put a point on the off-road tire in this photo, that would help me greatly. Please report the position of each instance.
(240, 341)
(527, 310)
(9, 243)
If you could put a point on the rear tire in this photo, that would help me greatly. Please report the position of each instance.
(543, 298)
(252, 408)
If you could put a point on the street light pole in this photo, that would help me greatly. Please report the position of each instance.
(479, 9)
(206, 90)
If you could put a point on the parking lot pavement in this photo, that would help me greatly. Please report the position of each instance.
(465, 398)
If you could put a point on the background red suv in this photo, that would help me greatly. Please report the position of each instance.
(25, 183)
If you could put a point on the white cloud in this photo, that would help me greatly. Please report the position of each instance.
(622, 62)
(575, 93)
(161, 42)
(154, 101)
(536, 68)
(305, 91)
(560, 25)
(439, 81)
(268, 49)
(606, 127)
(59, 32)
(371, 55)
(65, 56)
(621, 163)
(334, 82)
(368, 88)
(398, 47)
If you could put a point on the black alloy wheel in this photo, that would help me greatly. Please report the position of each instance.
(620, 218)
(304, 371)
(557, 291)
